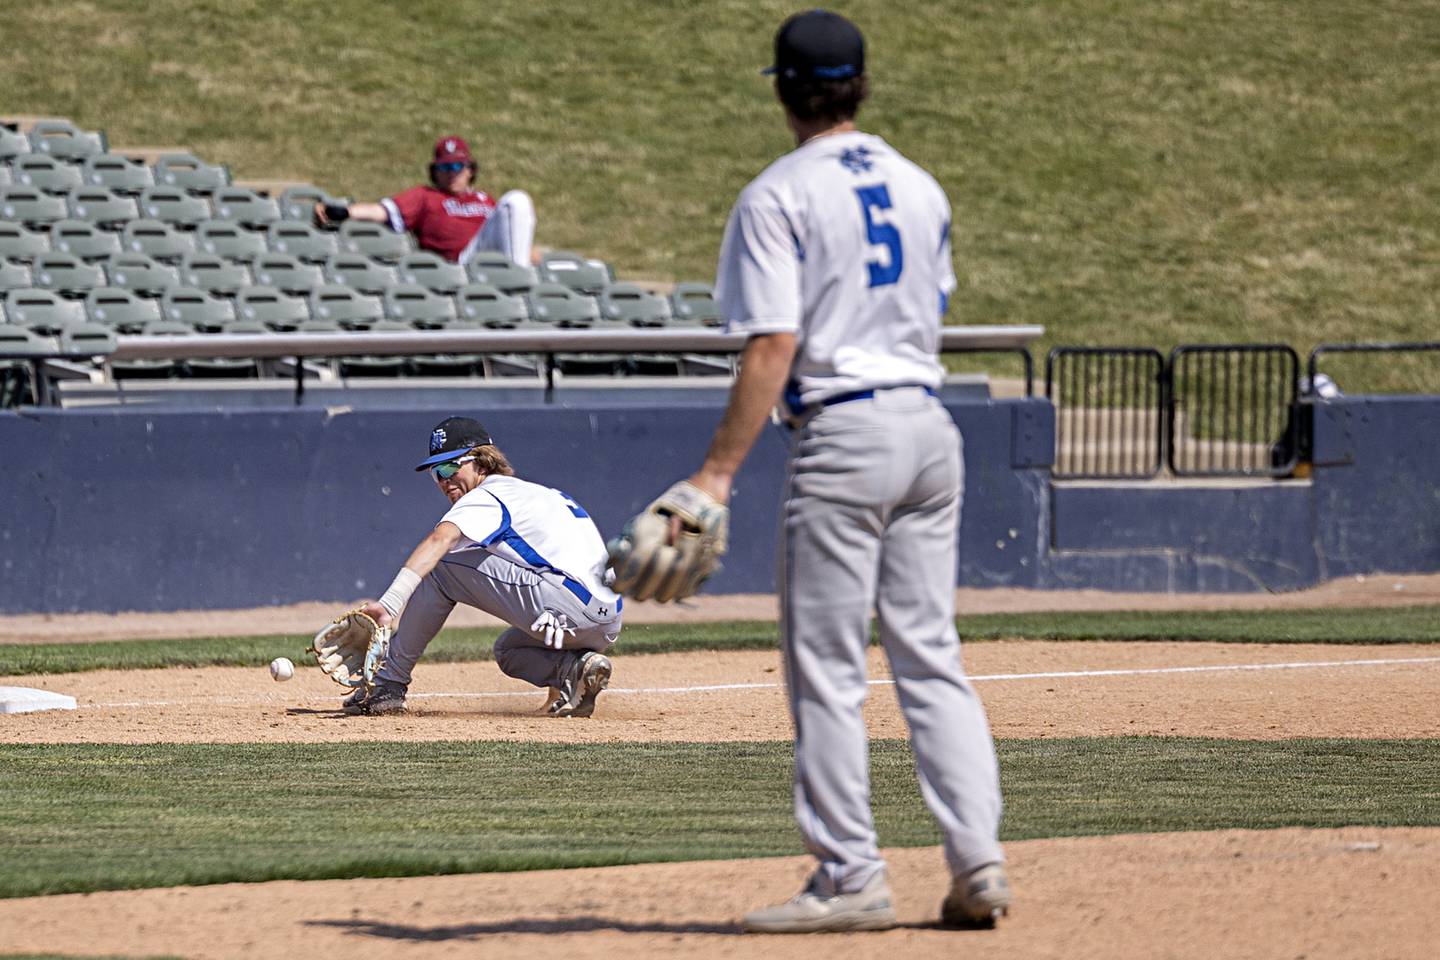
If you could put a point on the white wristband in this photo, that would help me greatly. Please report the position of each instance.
(395, 598)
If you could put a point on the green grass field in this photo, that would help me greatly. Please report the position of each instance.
(93, 817)
(1125, 171)
(1391, 625)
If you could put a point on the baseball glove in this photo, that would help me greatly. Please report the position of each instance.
(648, 567)
(351, 649)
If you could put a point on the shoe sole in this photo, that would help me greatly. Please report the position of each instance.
(384, 708)
(836, 923)
(594, 679)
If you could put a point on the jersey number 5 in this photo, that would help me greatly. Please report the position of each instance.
(881, 234)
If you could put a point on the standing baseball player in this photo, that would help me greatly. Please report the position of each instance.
(836, 262)
(449, 216)
(524, 553)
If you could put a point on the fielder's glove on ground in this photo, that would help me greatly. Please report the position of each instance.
(553, 628)
(351, 649)
(648, 567)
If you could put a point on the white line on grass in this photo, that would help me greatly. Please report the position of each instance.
(722, 687)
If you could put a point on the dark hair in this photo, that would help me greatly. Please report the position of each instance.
(833, 100)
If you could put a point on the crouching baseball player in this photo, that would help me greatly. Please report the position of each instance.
(515, 549)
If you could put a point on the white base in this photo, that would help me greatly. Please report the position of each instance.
(29, 700)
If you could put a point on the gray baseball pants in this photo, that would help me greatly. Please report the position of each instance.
(871, 517)
(515, 594)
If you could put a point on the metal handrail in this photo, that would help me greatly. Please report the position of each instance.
(264, 346)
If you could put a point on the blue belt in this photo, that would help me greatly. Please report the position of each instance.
(578, 588)
(797, 409)
(866, 395)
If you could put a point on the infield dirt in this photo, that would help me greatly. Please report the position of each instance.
(1352, 893)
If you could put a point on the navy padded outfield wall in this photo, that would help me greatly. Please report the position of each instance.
(109, 509)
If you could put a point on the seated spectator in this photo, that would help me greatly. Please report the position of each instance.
(448, 217)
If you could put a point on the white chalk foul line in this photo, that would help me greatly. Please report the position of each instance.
(723, 687)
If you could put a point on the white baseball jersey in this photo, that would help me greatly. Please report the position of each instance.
(845, 243)
(536, 527)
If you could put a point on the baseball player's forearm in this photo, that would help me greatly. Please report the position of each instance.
(422, 560)
(765, 366)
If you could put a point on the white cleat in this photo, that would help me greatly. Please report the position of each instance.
(812, 912)
(977, 899)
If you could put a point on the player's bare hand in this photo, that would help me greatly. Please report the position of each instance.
(373, 610)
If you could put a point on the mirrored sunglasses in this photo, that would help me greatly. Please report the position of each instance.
(454, 167)
(444, 471)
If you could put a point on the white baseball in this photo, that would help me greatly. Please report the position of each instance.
(282, 669)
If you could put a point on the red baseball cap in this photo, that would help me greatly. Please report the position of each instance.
(451, 150)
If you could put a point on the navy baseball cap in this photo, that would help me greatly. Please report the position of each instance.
(818, 45)
(452, 438)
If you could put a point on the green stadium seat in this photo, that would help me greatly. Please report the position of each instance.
(278, 311)
(488, 306)
(31, 206)
(377, 366)
(174, 206)
(13, 144)
(66, 274)
(213, 274)
(117, 174)
(63, 140)
(433, 273)
(140, 274)
(586, 275)
(298, 203)
(359, 271)
(83, 240)
(42, 311)
(121, 310)
(247, 328)
(631, 306)
(19, 244)
(301, 240)
(14, 276)
(245, 207)
(318, 326)
(187, 172)
(694, 303)
(562, 305)
(228, 239)
(89, 338)
(445, 365)
(374, 240)
(345, 305)
(44, 172)
(17, 339)
(196, 307)
(5, 178)
(493, 268)
(414, 304)
(496, 366)
(156, 369)
(284, 272)
(158, 240)
(99, 206)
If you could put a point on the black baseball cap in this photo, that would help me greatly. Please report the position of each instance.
(452, 438)
(818, 45)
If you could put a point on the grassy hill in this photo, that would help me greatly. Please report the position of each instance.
(1123, 171)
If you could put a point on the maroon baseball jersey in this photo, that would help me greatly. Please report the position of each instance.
(442, 222)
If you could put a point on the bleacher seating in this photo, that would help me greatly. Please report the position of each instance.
(83, 240)
(100, 243)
